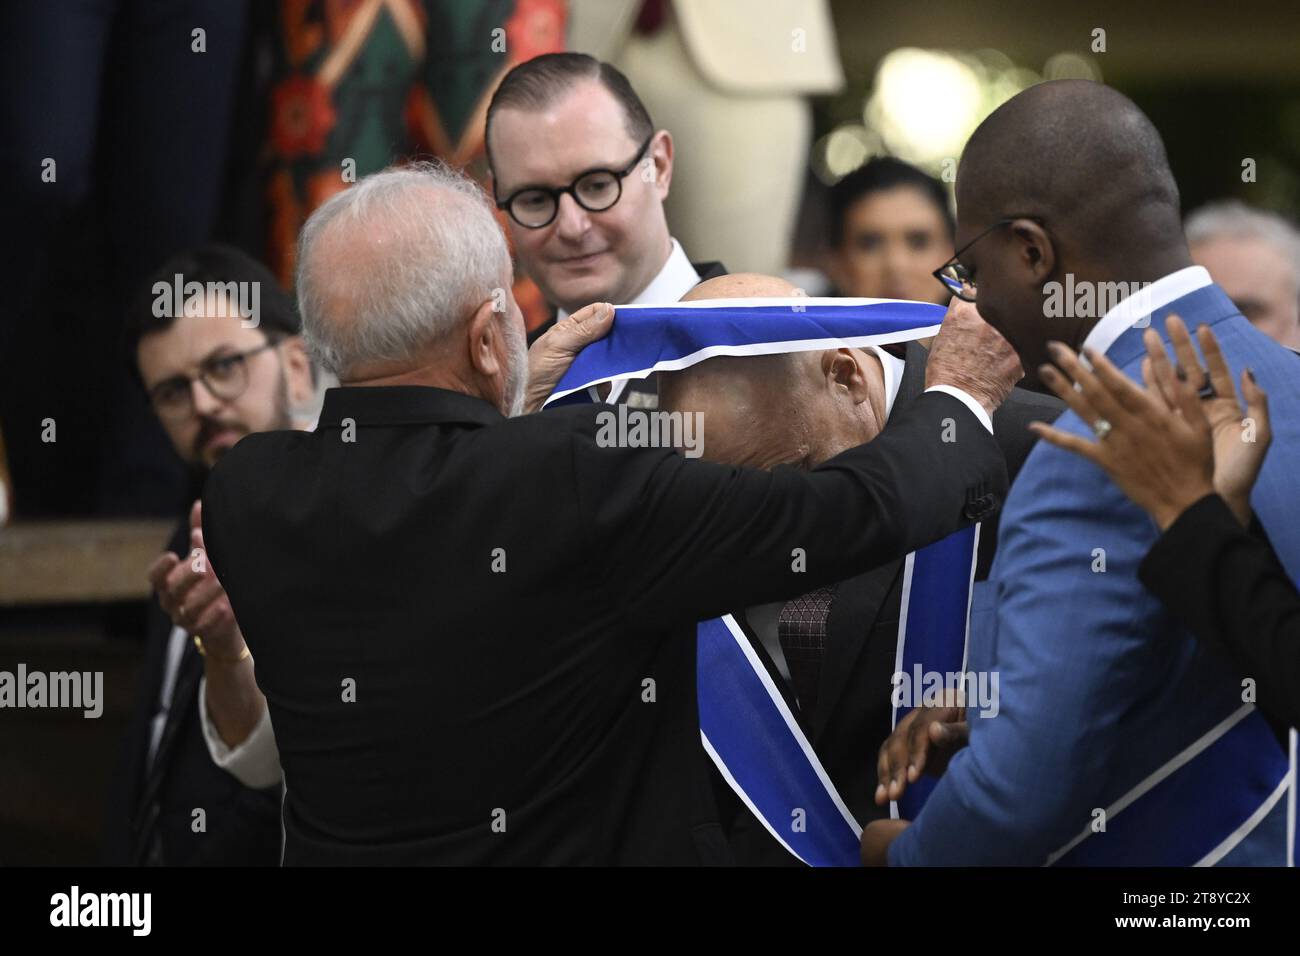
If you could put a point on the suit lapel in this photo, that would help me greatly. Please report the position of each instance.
(188, 672)
(787, 692)
(153, 667)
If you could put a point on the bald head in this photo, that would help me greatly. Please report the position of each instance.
(1070, 181)
(753, 386)
(743, 285)
(1077, 153)
(796, 409)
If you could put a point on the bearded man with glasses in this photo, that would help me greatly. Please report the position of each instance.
(214, 373)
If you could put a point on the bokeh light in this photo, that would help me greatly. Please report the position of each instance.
(924, 104)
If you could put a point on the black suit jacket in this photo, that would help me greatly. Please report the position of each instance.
(150, 818)
(1228, 586)
(852, 715)
(476, 634)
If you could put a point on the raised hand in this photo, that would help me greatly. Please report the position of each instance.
(554, 351)
(193, 598)
(971, 355)
(1240, 437)
(1179, 439)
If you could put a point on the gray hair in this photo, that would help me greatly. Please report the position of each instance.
(1233, 219)
(442, 256)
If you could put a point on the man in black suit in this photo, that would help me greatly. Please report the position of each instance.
(582, 174)
(832, 651)
(475, 633)
(218, 352)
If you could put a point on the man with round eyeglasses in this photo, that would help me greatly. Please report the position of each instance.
(581, 174)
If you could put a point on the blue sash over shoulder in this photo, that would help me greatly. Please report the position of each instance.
(653, 338)
(745, 725)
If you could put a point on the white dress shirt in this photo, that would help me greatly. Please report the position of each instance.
(255, 762)
(1139, 306)
(673, 281)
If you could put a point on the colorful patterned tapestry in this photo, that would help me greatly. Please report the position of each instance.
(364, 83)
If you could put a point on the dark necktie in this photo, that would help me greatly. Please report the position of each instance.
(801, 629)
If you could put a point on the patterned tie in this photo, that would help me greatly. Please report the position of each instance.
(801, 629)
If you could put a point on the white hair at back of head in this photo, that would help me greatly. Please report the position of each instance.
(411, 252)
(1233, 219)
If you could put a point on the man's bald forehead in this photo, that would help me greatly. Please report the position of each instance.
(725, 372)
(743, 285)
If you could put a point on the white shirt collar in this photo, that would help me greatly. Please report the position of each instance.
(674, 280)
(892, 366)
(1128, 311)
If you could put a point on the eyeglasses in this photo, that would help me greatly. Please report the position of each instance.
(959, 280)
(224, 376)
(595, 191)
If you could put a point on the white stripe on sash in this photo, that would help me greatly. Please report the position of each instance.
(1243, 831)
(1185, 757)
(1291, 800)
(795, 731)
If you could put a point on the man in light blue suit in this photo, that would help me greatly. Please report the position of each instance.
(1119, 740)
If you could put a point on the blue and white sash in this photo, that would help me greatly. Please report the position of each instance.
(762, 753)
(757, 743)
(933, 630)
(668, 338)
(745, 725)
(1199, 806)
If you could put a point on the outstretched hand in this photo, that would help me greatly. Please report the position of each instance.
(554, 351)
(971, 355)
(1184, 436)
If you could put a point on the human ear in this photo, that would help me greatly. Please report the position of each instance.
(298, 372)
(661, 155)
(481, 334)
(844, 370)
(1035, 250)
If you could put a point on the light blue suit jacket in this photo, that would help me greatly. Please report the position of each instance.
(1099, 685)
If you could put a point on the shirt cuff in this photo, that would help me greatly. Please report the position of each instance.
(969, 402)
(255, 762)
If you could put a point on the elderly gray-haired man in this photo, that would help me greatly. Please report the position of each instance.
(475, 632)
(1255, 256)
